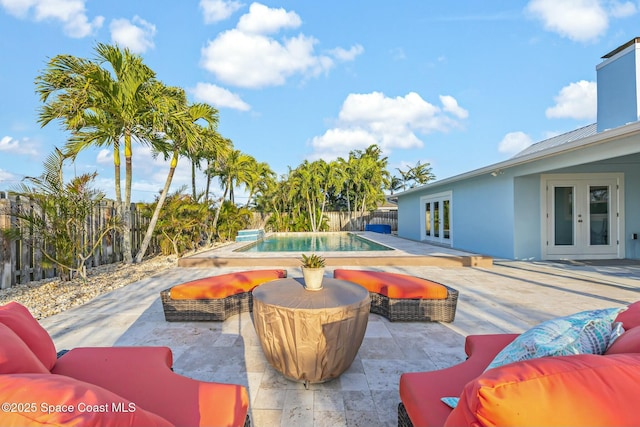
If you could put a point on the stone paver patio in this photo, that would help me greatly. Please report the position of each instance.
(510, 297)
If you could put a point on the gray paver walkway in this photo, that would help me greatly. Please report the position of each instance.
(510, 297)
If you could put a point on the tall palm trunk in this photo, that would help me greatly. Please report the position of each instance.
(126, 208)
(193, 180)
(116, 174)
(156, 212)
(206, 192)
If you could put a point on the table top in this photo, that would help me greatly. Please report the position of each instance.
(291, 293)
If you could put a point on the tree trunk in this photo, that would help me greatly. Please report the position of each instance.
(193, 180)
(126, 208)
(116, 174)
(156, 212)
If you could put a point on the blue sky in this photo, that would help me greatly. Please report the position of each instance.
(459, 85)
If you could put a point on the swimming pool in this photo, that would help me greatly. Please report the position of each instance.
(313, 242)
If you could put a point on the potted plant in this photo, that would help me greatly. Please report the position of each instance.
(312, 271)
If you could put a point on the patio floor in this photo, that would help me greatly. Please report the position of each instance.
(511, 296)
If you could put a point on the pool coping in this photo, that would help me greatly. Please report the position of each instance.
(404, 252)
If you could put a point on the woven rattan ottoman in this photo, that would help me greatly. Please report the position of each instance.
(214, 298)
(403, 298)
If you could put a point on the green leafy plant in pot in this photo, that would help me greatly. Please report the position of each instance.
(312, 271)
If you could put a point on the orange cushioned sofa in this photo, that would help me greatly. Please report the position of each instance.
(102, 386)
(583, 389)
(404, 298)
(215, 298)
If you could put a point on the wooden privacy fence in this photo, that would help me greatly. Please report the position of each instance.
(340, 221)
(21, 263)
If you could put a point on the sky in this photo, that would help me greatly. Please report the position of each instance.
(459, 85)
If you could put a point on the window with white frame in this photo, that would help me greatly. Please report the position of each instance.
(436, 223)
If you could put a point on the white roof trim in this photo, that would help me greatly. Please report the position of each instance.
(589, 141)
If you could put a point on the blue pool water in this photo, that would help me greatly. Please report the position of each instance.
(314, 242)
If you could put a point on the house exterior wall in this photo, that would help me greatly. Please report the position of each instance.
(502, 215)
(482, 215)
(619, 89)
(527, 221)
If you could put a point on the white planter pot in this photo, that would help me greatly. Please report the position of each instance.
(312, 278)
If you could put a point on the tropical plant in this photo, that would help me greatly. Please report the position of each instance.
(184, 135)
(56, 223)
(232, 169)
(180, 222)
(312, 261)
(111, 100)
(419, 174)
(232, 220)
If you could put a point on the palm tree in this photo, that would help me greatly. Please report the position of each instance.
(259, 180)
(184, 135)
(419, 174)
(111, 100)
(232, 170)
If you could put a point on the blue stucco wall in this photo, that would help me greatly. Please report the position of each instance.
(482, 215)
(502, 216)
(617, 91)
(527, 221)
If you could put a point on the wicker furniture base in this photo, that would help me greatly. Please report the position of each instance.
(204, 310)
(394, 309)
(416, 310)
(403, 417)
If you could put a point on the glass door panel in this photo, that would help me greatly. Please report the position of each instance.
(446, 218)
(599, 217)
(563, 215)
(427, 219)
(436, 219)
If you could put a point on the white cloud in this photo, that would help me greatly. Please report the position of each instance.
(265, 20)
(514, 142)
(347, 55)
(249, 60)
(71, 13)
(218, 10)
(137, 34)
(579, 20)
(219, 97)
(451, 106)
(622, 10)
(576, 101)
(391, 123)
(105, 157)
(7, 176)
(246, 56)
(14, 146)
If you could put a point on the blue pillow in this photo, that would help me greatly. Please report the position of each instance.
(451, 402)
(587, 332)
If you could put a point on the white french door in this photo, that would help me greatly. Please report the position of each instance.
(582, 216)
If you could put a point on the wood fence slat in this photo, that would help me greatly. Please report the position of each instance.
(21, 263)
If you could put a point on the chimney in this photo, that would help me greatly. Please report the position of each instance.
(619, 86)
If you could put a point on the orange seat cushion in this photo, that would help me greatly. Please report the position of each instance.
(225, 285)
(15, 356)
(55, 400)
(577, 390)
(630, 318)
(19, 319)
(628, 342)
(420, 392)
(393, 285)
(143, 376)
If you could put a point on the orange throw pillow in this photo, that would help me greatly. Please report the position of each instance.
(577, 390)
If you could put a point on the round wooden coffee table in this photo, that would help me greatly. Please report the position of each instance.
(310, 336)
